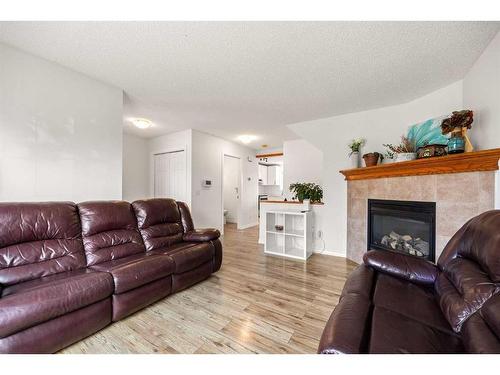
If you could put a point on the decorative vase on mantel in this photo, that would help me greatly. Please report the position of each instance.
(355, 159)
(405, 156)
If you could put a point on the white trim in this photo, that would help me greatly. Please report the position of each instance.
(331, 253)
(249, 225)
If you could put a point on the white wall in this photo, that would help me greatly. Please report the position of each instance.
(302, 162)
(232, 181)
(207, 159)
(482, 94)
(135, 178)
(331, 135)
(177, 141)
(60, 132)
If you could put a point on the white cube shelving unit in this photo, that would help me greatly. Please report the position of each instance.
(294, 240)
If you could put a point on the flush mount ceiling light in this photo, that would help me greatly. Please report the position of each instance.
(245, 138)
(141, 123)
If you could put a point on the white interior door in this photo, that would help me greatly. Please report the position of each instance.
(231, 186)
(170, 175)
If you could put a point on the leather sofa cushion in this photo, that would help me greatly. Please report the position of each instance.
(136, 270)
(109, 231)
(187, 255)
(491, 314)
(26, 307)
(478, 338)
(462, 288)
(411, 300)
(201, 235)
(393, 333)
(402, 266)
(38, 239)
(159, 222)
(44, 281)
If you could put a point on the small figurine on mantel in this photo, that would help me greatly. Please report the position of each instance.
(458, 124)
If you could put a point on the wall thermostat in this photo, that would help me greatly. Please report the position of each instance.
(206, 183)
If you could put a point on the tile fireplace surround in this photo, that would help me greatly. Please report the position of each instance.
(458, 197)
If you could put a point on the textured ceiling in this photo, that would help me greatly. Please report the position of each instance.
(231, 78)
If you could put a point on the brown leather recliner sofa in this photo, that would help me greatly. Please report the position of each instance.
(67, 270)
(396, 303)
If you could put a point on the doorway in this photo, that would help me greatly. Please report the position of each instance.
(231, 190)
(170, 175)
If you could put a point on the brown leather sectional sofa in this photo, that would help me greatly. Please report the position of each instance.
(396, 303)
(67, 270)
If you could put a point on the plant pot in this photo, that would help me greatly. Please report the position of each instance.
(405, 156)
(371, 159)
(307, 204)
(354, 159)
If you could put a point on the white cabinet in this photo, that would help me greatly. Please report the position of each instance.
(262, 174)
(288, 234)
(270, 175)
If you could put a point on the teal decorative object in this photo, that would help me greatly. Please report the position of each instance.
(428, 133)
(456, 144)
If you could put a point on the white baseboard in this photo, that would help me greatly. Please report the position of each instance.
(249, 225)
(330, 253)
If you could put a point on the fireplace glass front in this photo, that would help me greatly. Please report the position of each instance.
(402, 226)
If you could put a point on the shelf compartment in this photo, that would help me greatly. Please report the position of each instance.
(294, 246)
(273, 219)
(275, 243)
(294, 225)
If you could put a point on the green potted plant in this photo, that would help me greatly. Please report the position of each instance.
(307, 192)
(355, 146)
(405, 151)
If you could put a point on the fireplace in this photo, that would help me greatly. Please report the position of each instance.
(402, 226)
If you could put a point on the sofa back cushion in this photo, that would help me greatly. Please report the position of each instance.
(470, 265)
(479, 241)
(109, 230)
(481, 332)
(39, 239)
(159, 222)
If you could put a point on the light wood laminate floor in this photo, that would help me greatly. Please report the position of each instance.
(254, 304)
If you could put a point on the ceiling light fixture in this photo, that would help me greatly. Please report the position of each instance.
(245, 138)
(141, 123)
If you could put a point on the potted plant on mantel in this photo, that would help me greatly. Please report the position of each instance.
(355, 146)
(307, 193)
(405, 151)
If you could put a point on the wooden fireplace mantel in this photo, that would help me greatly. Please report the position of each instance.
(486, 160)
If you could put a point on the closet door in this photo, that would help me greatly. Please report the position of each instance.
(170, 175)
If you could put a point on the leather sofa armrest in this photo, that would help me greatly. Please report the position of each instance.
(347, 330)
(402, 266)
(201, 235)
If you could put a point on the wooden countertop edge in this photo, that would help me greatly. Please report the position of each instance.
(290, 202)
